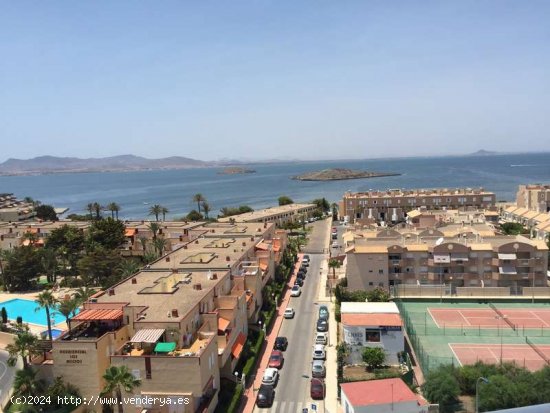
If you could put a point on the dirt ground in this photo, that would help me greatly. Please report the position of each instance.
(357, 373)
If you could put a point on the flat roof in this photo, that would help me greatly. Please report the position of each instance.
(418, 192)
(376, 319)
(375, 392)
(368, 308)
(268, 212)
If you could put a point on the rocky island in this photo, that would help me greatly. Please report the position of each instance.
(337, 174)
(232, 170)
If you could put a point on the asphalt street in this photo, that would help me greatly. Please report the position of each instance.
(6, 378)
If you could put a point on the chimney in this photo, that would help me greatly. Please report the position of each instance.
(200, 260)
(174, 270)
(111, 291)
(244, 244)
(134, 281)
(251, 238)
(197, 287)
(265, 224)
(213, 230)
(181, 238)
(196, 241)
(167, 259)
(185, 247)
(227, 258)
(174, 312)
(215, 276)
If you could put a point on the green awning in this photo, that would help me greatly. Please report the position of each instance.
(165, 347)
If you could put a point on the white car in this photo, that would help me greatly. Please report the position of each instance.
(321, 338)
(271, 376)
(296, 291)
(335, 245)
(289, 313)
(319, 352)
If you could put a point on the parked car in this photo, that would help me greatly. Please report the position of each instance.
(304, 264)
(276, 359)
(323, 312)
(334, 230)
(265, 397)
(321, 338)
(305, 259)
(317, 389)
(289, 312)
(295, 291)
(299, 281)
(318, 369)
(301, 276)
(322, 326)
(281, 343)
(319, 352)
(271, 376)
(334, 236)
(302, 271)
(335, 245)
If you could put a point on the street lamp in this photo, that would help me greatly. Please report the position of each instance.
(480, 379)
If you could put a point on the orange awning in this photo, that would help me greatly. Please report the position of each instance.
(276, 248)
(223, 324)
(263, 266)
(92, 315)
(262, 246)
(238, 346)
(130, 232)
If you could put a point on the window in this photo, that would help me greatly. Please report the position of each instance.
(370, 270)
(380, 284)
(371, 283)
(372, 336)
(380, 271)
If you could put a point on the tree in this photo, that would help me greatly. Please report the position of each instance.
(68, 308)
(154, 228)
(334, 207)
(378, 295)
(227, 212)
(441, 386)
(164, 211)
(21, 267)
(25, 383)
(285, 200)
(155, 210)
(83, 294)
(194, 216)
(374, 357)
(90, 209)
(334, 263)
(322, 204)
(160, 245)
(116, 379)
(25, 345)
(128, 267)
(46, 300)
(206, 208)
(97, 210)
(46, 213)
(199, 198)
(97, 267)
(4, 315)
(114, 208)
(106, 233)
(48, 259)
(512, 228)
(68, 243)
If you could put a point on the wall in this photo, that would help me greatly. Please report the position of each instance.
(392, 342)
(364, 269)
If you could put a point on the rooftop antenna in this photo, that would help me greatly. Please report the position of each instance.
(439, 241)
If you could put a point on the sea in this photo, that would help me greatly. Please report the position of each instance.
(136, 192)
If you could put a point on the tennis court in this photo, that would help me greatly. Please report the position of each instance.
(489, 318)
(523, 355)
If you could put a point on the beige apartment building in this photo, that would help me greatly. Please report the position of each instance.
(394, 204)
(454, 255)
(179, 325)
(14, 210)
(534, 197)
(279, 215)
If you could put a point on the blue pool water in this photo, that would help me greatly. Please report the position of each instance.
(26, 309)
(55, 333)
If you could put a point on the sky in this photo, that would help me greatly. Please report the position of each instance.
(277, 79)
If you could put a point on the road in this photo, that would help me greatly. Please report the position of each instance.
(292, 392)
(6, 377)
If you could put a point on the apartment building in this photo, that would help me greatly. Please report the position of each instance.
(392, 205)
(429, 218)
(532, 220)
(534, 197)
(12, 234)
(14, 210)
(469, 258)
(179, 325)
(279, 215)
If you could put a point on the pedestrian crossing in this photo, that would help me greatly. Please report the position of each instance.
(290, 407)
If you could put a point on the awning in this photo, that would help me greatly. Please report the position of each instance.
(502, 256)
(262, 246)
(92, 315)
(507, 269)
(147, 335)
(237, 348)
(165, 347)
(223, 324)
(130, 232)
(442, 259)
(263, 266)
(459, 257)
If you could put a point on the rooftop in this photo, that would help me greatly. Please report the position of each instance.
(368, 308)
(373, 392)
(417, 192)
(268, 212)
(376, 319)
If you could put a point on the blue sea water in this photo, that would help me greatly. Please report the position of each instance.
(135, 192)
(30, 312)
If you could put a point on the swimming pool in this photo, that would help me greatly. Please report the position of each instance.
(26, 309)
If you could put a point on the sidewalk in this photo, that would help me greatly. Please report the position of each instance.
(249, 398)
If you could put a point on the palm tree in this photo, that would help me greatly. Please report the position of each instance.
(199, 198)
(46, 300)
(128, 267)
(90, 209)
(206, 208)
(164, 211)
(31, 237)
(160, 245)
(116, 379)
(24, 345)
(97, 209)
(154, 228)
(49, 264)
(143, 242)
(114, 208)
(155, 210)
(68, 308)
(83, 294)
(334, 263)
(25, 383)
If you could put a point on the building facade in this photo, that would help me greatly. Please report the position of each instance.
(15, 210)
(279, 215)
(534, 197)
(393, 205)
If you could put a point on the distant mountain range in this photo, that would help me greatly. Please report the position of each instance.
(54, 164)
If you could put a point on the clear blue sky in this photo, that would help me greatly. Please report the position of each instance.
(273, 79)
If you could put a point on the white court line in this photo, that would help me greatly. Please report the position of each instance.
(464, 318)
(493, 354)
(454, 354)
(539, 318)
(433, 318)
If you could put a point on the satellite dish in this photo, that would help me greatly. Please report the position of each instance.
(439, 241)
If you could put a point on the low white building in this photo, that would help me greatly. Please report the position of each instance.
(382, 396)
(372, 325)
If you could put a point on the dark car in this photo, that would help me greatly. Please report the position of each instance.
(301, 277)
(302, 270)
(317, 389)
(299, 281)
(281, 343)
(323, 312)
(322, 326)
(265, 397)
(276, 359)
